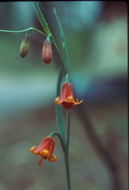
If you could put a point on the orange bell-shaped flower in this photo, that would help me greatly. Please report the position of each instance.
(45, 150)
(66, 97)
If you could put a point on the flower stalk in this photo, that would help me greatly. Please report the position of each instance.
(25, 30)
(64, 68)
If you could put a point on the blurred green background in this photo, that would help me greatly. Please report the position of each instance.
(96, 36)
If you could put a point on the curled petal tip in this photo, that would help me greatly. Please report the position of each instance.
(52, 159)
(57, 100)
(78, 102)
(33, 148)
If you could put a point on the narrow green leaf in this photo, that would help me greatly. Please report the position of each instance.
(41, 18)
(64, 47)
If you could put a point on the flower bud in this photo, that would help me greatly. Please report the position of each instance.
(24, 46)
(47, 51)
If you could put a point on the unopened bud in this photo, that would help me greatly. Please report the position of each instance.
(24, 46)
(47, 51)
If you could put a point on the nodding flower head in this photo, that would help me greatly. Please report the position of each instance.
(24, 46)
(66, 97)
(45, 150)
(47, 51)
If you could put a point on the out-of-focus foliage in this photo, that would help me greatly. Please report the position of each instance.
(96, 36)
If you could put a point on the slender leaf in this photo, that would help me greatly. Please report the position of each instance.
(41, 18)
(64, 47)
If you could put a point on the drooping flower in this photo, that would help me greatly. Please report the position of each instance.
(24, 46)
(47, 51)
(66, 97)
(45, 150)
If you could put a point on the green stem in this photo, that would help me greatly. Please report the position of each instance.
(60, 127)
(55, 133)
(60, 76)
(59, 115)
(66, 157)
(67, 150)
(58, 50)
(66, 154)
(68, 129)
(25, 30)
(67, 170)
(64, 47)
(39, 31)
(67, 77)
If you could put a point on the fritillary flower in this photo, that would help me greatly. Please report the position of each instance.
(45, 150)
(66, 97)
